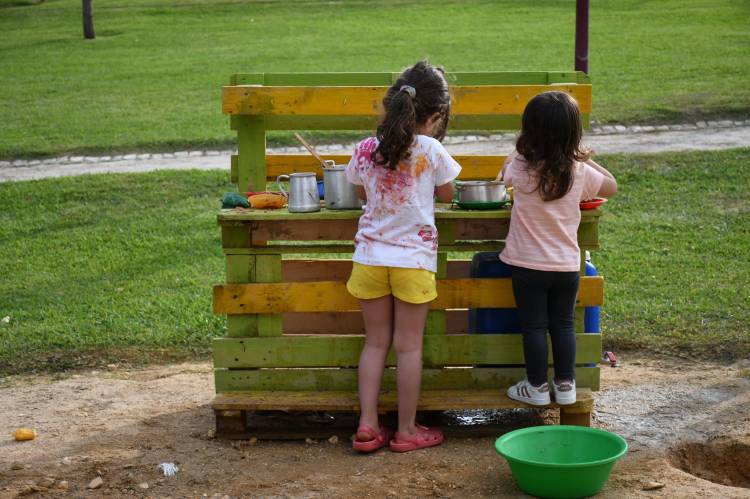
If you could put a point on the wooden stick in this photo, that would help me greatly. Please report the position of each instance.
(308, 147)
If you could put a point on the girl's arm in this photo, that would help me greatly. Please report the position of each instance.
(444, 192)
(609, 185)
(501, 175)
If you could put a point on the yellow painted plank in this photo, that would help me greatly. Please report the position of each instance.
(429, 400)
(331, 296)
(481, 100)
(473, 167)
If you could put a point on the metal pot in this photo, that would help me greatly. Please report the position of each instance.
(481, 191)
(340, 194)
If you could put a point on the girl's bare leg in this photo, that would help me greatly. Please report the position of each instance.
(408, 329)
(378, 317)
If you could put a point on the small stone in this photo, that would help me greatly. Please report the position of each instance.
(211, 434)
(96, 483)
(333, 440)
(310, 441)
(67, 460)
(143, 485)
(62, 485)
(15, 465)
(252, 440)
(46, 482)
(653, 486)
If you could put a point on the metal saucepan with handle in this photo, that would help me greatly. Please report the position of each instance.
(481, 191)
(340, 194)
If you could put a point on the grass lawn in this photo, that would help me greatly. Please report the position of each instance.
(102, 268)
(151, 78)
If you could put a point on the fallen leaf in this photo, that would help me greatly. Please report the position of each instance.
(653, 486)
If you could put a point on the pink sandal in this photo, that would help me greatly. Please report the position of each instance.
(425, 437)
(377, 438)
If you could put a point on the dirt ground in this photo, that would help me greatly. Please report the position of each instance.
(119, 424)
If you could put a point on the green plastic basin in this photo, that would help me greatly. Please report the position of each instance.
(561, 461)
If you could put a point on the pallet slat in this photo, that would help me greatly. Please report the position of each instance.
(344, 351)
(332, 296)
(237, 380)
(468, 100)
(430, 400)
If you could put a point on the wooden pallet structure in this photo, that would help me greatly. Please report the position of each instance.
(294, 334)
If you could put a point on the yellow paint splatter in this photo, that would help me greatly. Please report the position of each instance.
(420, 165)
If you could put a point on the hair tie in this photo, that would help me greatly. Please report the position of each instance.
(409, 90)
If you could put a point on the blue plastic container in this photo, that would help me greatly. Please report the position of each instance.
(321, 190)
(505, 320)
(492, 320)
(592, 315)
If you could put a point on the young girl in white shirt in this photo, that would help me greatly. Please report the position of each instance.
(550, 174)
(399, 172)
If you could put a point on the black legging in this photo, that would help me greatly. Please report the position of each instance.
(546, 300)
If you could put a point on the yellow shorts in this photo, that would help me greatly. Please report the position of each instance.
(368, 282)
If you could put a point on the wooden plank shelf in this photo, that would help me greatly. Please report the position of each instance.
(430, 400)
(345, 379)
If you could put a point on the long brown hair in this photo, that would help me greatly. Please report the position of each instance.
(550, 141)
(420, 92)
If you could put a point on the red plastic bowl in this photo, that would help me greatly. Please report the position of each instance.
(592, 203)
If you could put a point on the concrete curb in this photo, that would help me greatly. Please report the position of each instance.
(451, 140)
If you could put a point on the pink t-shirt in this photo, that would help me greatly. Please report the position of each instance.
(543, 234)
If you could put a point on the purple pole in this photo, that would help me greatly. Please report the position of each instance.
(582, 36)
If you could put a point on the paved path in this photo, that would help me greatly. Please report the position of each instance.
(607, 139)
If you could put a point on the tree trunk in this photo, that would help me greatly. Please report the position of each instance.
(88, 21)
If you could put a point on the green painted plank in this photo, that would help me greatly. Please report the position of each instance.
(251, 153)
(237, 380)
(242, 326)
(235, 235)
(344, 351)
(268, 269)
(240, 269)
(234, 169)
(436, 319)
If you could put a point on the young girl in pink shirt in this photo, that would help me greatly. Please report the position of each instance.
(399, 172)
(550, 174)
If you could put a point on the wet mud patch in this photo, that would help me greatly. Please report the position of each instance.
(722, 460)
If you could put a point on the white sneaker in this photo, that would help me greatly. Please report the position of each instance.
(565, 392)
(523, 391)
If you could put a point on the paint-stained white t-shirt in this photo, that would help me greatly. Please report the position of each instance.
(397, 228)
